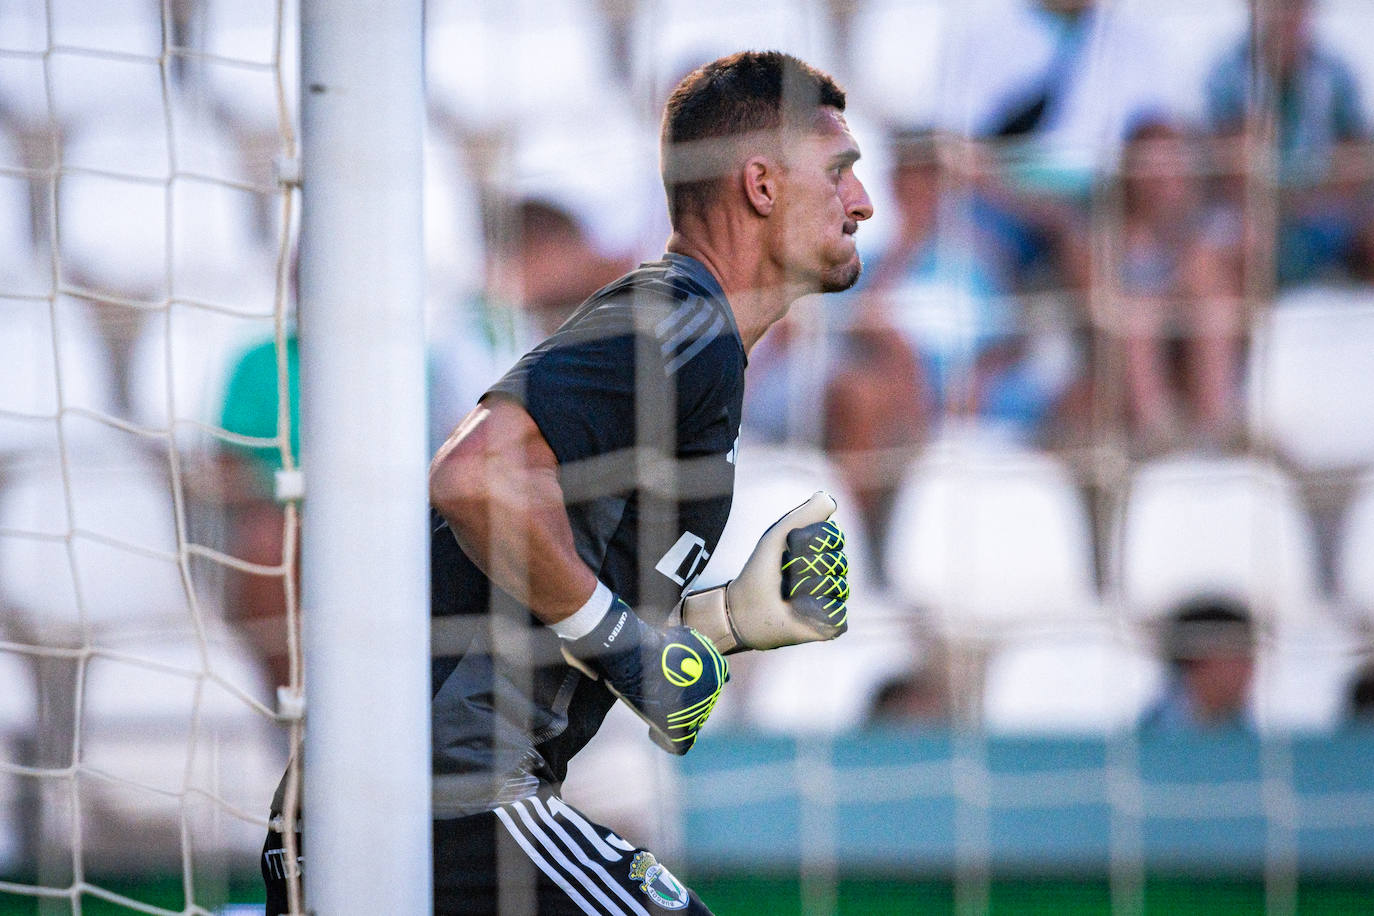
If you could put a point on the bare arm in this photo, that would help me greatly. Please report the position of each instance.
(496, 483)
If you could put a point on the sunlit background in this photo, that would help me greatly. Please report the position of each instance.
(1099, 417)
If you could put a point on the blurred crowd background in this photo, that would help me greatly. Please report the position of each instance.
(1099, 414)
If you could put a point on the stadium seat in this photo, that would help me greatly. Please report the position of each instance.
(1302, 674)
(23, 87)
(241, 39)
(125, 76)
(490, 65)
(606, 179)
(51, 357)
(984, 536)
(898, 69)
(112, 231)
(168, 731)
(180, 367)
(673, 37)
(129, 180)
(1355, 552)
(1082, 680)
(90, 543)
(823, 687)
(1307, 350)
(453, 227)
(1233, 526)
(18, 713)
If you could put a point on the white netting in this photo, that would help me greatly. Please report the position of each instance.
(147, 245)
(1021, 526)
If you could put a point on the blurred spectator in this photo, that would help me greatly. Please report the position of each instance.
(1281, 89)
(1176, 270)
(917, 698)
(935, 331)
(1359, 702)
(255, 521)
(545, 264)
(1209, 643)
(1051, 87)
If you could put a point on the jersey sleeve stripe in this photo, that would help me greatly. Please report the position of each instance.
(697, 346)
(699, 316)
(680, 313)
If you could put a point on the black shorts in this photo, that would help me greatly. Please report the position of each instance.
(538, 856)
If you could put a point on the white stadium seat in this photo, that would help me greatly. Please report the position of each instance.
(672, 37)
(453, 227)
(1233, 526)
(125, 80)
(18, 713)
(1355, 554)
(113, 226)
(166, 727)
(984, 535)
(1308, 352)
(51, 357)
(90, 544)
(1301, 676)
(1083, 680)
(241, 37)
(822, 687)
(491, 65)
(181, 363)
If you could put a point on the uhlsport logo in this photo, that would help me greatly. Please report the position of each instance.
(657, 882)
(681, 665)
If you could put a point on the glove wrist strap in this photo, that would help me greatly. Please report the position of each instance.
(708, 612)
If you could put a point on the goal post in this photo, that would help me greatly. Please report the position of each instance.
(363, 458)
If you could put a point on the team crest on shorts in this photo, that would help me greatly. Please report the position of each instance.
(657, 882)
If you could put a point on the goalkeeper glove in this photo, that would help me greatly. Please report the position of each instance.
(794, 587)
(671, 678)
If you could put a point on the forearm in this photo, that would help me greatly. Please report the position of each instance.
(496, 483)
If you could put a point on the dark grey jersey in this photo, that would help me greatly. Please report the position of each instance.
(639, 395)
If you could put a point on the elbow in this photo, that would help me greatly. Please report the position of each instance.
(457, 473)
(455, 481)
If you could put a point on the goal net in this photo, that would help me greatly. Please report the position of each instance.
(145, 569)
(1093, 416)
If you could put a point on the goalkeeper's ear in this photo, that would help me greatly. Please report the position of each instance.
(751, 611)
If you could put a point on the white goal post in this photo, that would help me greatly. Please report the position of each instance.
(364, 551)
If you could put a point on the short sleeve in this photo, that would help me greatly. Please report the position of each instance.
(580, 393)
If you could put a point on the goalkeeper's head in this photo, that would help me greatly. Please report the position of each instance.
(755, 148)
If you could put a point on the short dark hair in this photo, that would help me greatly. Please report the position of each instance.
(516, 224)
(1207, 624)
(733, 96)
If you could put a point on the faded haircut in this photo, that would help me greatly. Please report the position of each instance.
(723, 102)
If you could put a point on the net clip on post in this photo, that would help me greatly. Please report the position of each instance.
(287, 170)
(289, 485)
(290, 704)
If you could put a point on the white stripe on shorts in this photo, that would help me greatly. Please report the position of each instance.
(596, 867)
(587, 883)
(543, 864)
(574, 817)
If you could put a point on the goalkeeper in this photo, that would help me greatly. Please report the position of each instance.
(575, 505)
